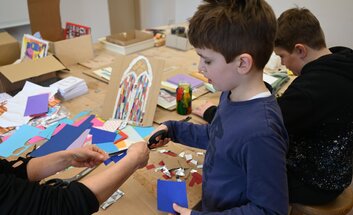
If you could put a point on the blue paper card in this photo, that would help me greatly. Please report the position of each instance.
(108, 147)
(169, 192)
(102, 136)
(115, 158)
(144, 131)
(37, 104)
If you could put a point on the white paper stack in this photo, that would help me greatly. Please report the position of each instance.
(70, 87)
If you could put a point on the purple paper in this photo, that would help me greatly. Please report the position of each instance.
(37, 104)
(194, 82)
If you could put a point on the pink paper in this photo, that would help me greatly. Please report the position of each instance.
(61, 126)
(97, 122)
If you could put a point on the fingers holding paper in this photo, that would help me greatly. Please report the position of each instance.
(181, 210)
(140, 153)
(88, 156)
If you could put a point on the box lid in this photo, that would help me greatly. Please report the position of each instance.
(129, 37)
(74, 50)
(31, 68)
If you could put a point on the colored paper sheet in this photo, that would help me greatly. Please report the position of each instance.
(80, 121)
(37, 104)
(121, 145)
(81, 114)
(144, 131)
(35, 139)
(78, 143)
(120, 136)
(132, 134)
(59, 128)
(87, 123)
(115, 158)
(47, 133)
(102, 136)
(60, 141)
(18, 140)
(108, 147)
(194, 82)
(112, 125)
(169, 192)
(97, 122)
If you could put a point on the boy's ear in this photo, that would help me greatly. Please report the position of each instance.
(301, 50)
(245, 62)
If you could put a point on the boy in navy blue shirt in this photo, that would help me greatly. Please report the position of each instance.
(244, 171)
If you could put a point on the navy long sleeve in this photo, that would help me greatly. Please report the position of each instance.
(244, 171)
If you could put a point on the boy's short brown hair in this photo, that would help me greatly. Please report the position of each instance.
(233, 27)
(299, 25)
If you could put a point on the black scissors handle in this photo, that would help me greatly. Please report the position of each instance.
(57, 182)
(162, 134)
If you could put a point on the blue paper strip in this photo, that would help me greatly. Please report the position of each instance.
(115, 158)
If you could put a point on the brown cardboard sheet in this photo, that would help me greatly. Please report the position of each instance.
(126, 66)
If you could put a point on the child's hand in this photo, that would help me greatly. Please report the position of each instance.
(200, 110)
(161, 142)
(181, 210)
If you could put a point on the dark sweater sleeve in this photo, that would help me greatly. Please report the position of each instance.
(209, 114)
(20, 196)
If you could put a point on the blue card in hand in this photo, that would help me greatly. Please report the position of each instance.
(169, 192)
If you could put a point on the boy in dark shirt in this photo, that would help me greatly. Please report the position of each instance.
(317, 109)
(244, 171)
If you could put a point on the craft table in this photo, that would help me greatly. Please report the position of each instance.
(140, 189)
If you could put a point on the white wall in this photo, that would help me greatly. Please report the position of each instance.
(335, 17)
(93, 13)
(157, 13)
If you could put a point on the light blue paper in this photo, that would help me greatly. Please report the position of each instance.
(81, 114)
(48, 132)
(18, 140)
(143, 131)
(108, 147)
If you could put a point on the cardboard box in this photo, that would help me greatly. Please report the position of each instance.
(129, 37)
(14, 76)
(178, 42)
(9, 49)
(45, 18)
(128, 42)
(73, 51)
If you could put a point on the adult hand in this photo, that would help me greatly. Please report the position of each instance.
(140, 153)
(181, 210)
(200, 110)
(161, 142)
(88, 156)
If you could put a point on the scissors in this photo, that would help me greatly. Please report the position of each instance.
(151, 141)
(58, 182)
(162, 134)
